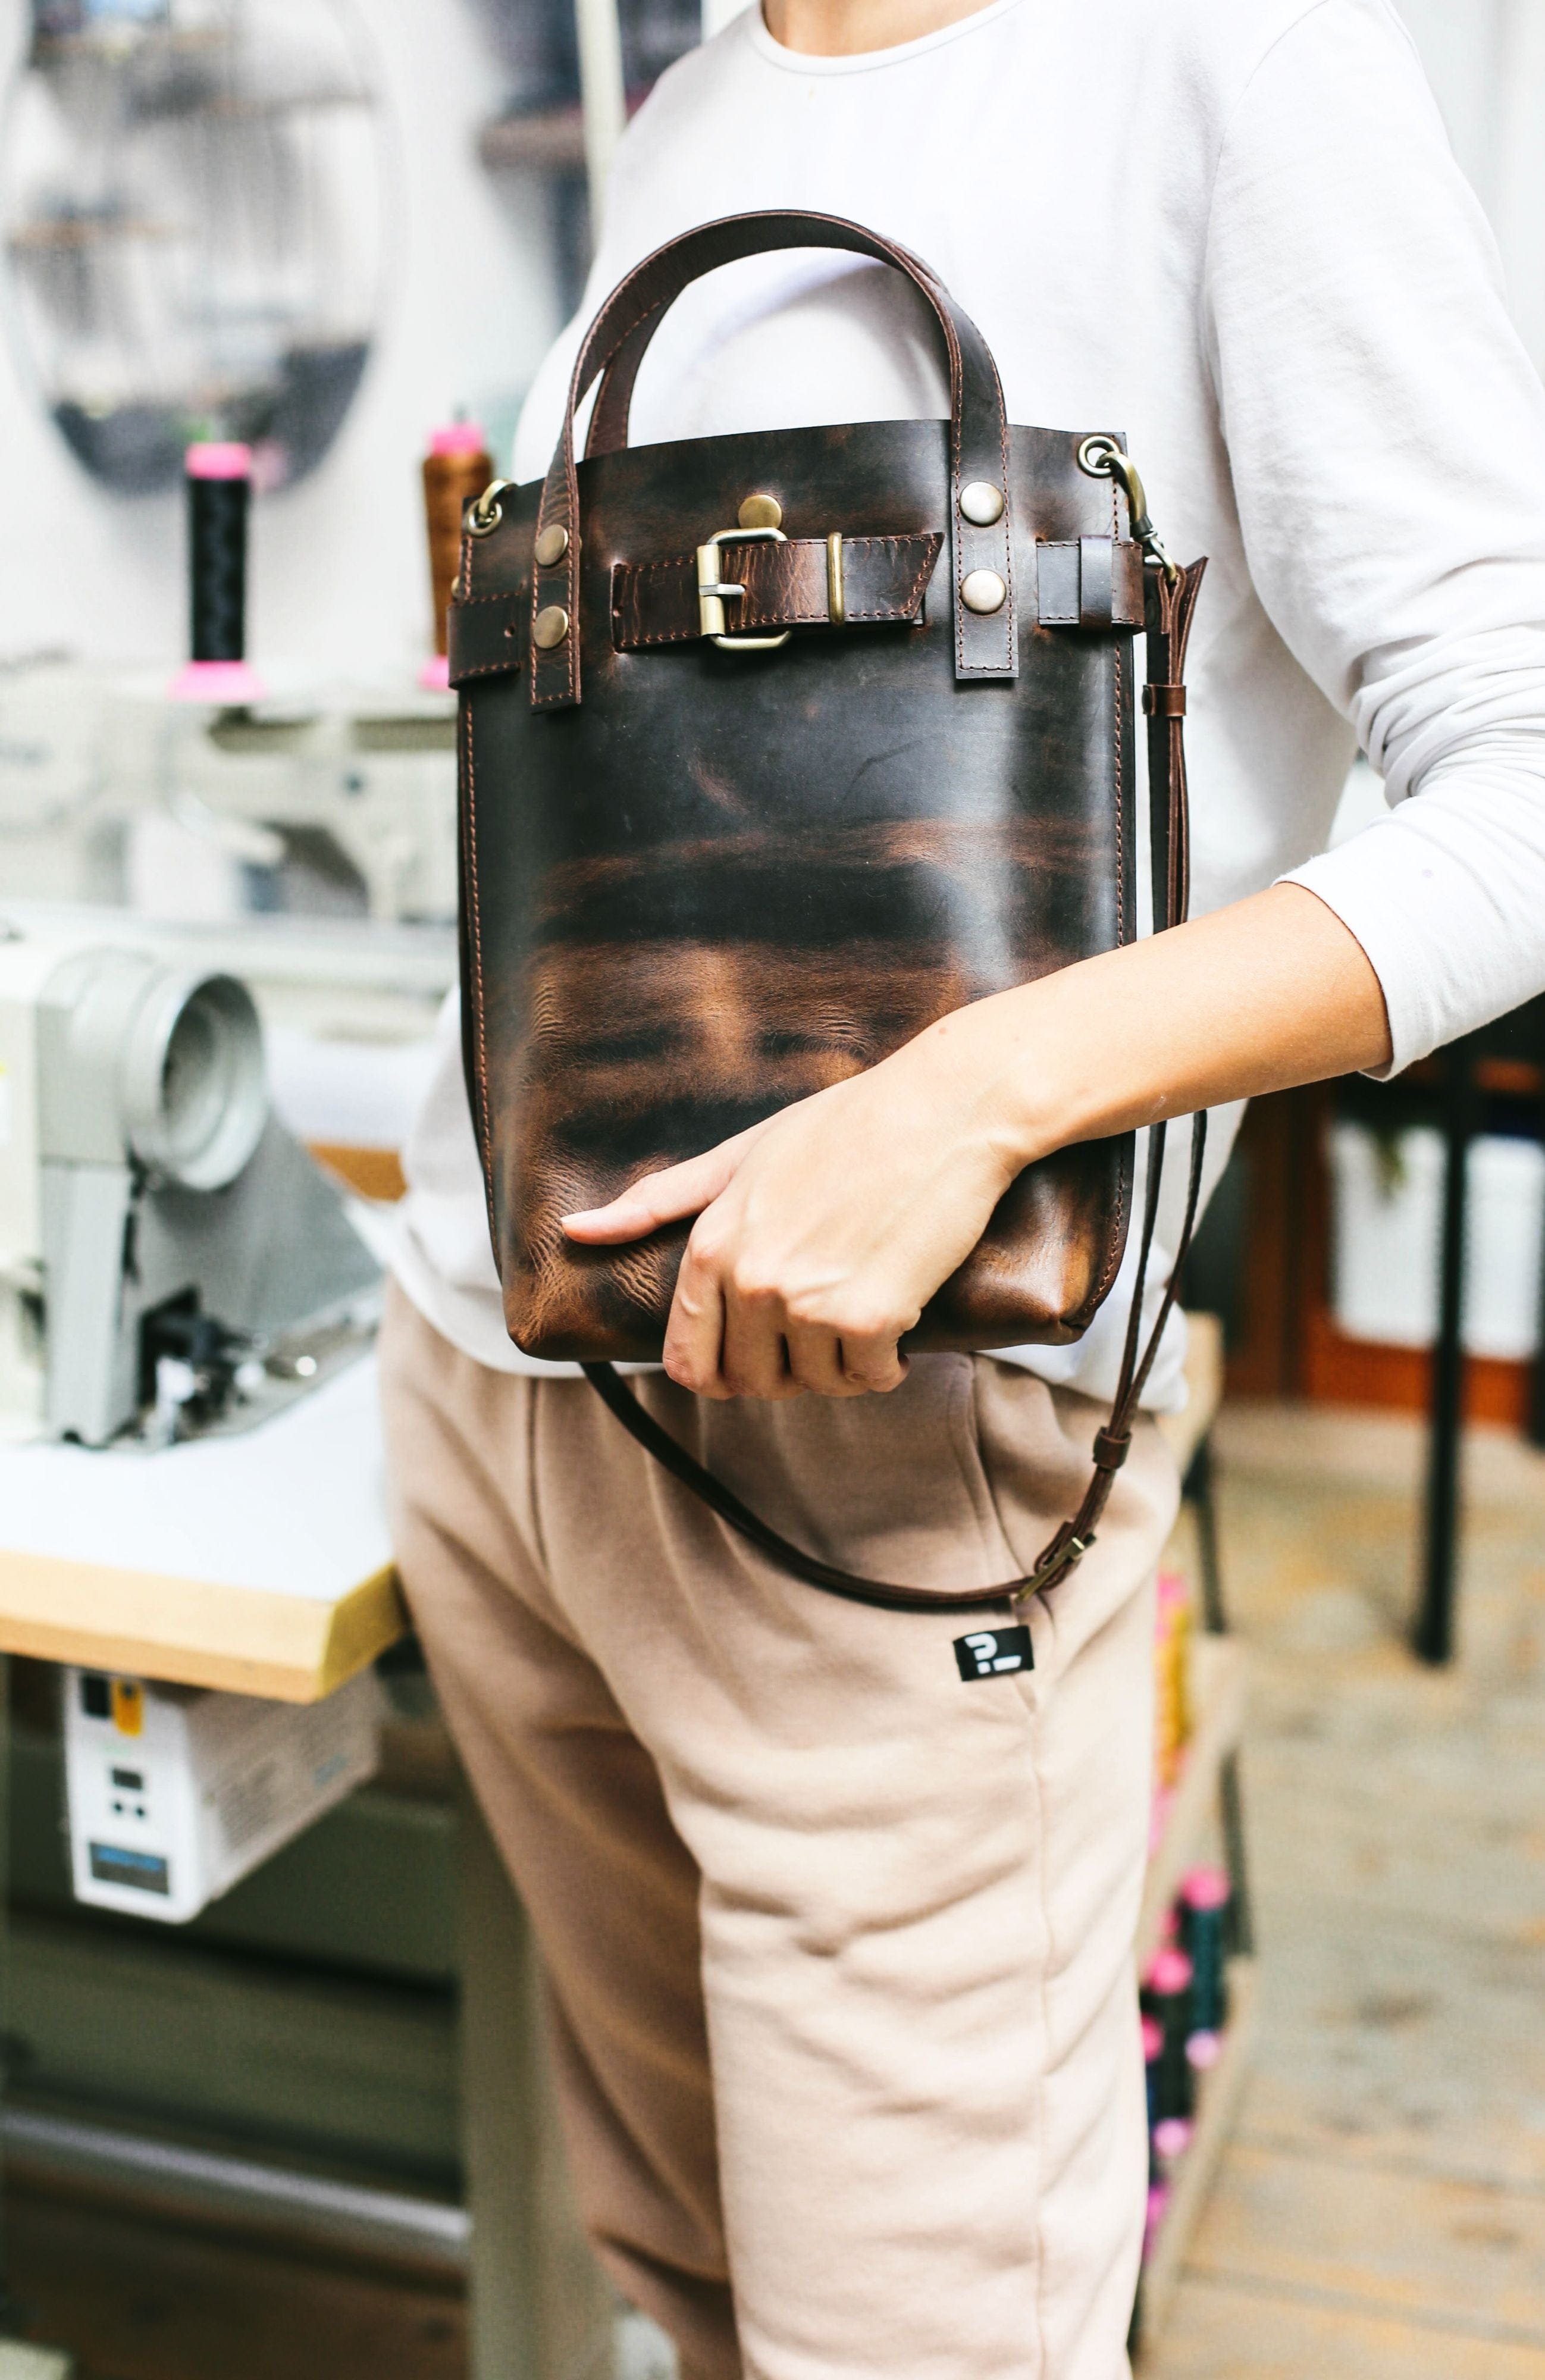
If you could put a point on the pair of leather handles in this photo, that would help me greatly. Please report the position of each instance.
(985, 644)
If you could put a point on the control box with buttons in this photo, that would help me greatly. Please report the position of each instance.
(176, 1792)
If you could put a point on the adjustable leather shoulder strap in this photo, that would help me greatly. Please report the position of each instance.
(1170, 602)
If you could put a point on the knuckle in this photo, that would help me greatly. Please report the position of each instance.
(872, 1332)
(752, 1284)
(703, 1244)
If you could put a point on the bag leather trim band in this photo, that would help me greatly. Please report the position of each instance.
(485, 637)
(1090, 582)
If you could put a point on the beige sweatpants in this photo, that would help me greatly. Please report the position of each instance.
(839, 1946)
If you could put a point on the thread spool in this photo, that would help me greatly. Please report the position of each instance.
(1167, 1997)
(219, 478)
(1153, 2049)
(1171, 1658)
(1171, 2138)
(456, 468)
(1203, 2052)
(1204, 1905)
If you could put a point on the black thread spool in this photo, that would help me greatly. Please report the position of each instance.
(1204, 1908)
(1167, 1995)
(219, 499)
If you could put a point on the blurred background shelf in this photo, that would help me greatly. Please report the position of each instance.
(1218, 2098)
(1218, 1688)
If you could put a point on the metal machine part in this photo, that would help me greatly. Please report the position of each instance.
(176, 1793)
(327, 800)
(166, 1249)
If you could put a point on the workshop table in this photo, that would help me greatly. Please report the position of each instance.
(260, 1563)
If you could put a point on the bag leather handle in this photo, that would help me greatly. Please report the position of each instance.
(1170, 608)
(986, 643)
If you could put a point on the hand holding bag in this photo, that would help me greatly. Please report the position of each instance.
(774, 749)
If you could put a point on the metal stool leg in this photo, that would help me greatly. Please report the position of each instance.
(1433, 1636)
(1198, 1490)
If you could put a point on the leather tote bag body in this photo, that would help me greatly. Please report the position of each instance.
(774, 749)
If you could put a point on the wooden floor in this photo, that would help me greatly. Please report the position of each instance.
(137, 2300)
(1380, 2214)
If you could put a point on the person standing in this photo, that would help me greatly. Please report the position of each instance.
(839, 1948)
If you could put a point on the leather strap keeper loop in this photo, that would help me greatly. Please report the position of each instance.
(1112, 1448)
(1164, 702)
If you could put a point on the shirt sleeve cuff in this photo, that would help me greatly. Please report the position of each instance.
(1383, 907)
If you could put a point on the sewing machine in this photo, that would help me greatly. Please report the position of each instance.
(171, 1260)
(330, 797)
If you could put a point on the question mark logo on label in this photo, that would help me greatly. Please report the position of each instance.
(993, 1653)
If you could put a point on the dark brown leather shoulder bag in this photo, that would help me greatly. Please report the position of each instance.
(774, 749)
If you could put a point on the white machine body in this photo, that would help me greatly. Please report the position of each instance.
(142, 1182)
(177, 1792)
(107, 789)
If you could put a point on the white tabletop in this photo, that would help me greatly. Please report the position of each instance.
(260, 1562)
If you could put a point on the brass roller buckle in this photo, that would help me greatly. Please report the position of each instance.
(713, 590)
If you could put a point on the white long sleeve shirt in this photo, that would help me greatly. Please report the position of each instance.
(1235, 229)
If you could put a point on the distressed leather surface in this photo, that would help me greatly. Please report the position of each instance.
(722, 880)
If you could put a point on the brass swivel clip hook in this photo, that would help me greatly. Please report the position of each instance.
(1103, 459)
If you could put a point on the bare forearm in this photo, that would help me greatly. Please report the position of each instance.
(821, 1233)
(1271, 991)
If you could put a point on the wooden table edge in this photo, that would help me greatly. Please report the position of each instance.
(186, 1632)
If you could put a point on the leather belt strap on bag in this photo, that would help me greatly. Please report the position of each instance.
(813, 582)
(1170, 603)
(803, 582)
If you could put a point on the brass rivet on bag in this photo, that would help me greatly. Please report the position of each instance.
(760, 512)
(551, 628)
(982, 590)
(552, 545)
(983, 503)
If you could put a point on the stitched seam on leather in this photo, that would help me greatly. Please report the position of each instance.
(1010, 607)
(489, 668)
(606, 363)
(1071, 619)
(980, 668)
(957, 419)
(484, 1146)
(510, 667)
(571, 499)
(1118, 1237)
(635, 575)
(913, 596)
